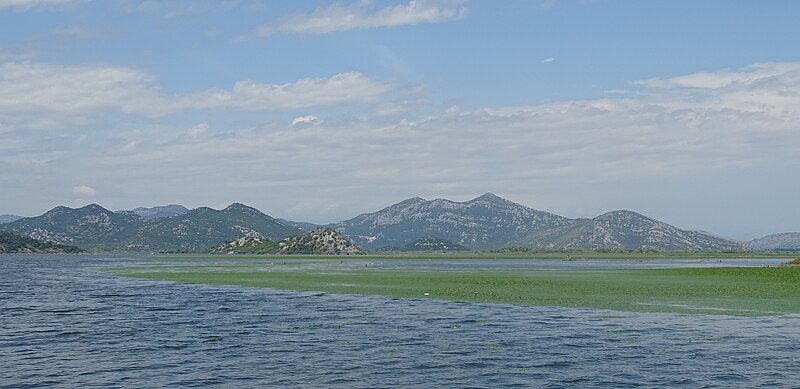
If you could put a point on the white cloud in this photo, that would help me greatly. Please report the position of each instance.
(725, 78)
(252, 96)
(338, 17)
(84, 190)
(547, 60)
(42, 89)
(197, 130)
(771, 89)
(25, 4)
(660, 133)
(308, 119)
(41, 95)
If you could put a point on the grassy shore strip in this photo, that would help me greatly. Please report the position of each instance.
(754, 291)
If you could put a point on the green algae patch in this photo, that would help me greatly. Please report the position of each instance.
(744, 291)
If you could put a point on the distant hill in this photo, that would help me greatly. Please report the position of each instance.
(627, 230)
(322, 241)
(160, 211)
(777, 242)
(490, 222)
(485, 222)
(97, 228)
(9, 218)
(11, 243)
(204, 227)
(91, 226)
(305, 226)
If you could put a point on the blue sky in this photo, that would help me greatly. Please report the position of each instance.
(318, 110)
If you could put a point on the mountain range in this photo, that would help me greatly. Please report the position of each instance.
(490, 222)
(484, 223)
(94, 227)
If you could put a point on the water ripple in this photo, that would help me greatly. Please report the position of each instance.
(65, 323)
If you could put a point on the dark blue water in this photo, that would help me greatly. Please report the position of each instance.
(65, 322)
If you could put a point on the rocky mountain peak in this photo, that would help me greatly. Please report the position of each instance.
(239, 207)
(623, 214)
(489, 197)
(89, 209)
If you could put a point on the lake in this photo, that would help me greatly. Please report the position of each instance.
(65, 321)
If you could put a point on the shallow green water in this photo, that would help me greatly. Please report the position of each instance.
(740, 288)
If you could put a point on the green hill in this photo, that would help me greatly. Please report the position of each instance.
(11, 243)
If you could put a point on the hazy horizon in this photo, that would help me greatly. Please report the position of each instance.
(318, 111)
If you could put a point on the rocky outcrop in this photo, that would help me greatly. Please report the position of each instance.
(322, 241)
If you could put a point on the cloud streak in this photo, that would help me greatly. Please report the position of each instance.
(45, 95)
(84, 190)
(657, 132)
(26, 4)
(251, 96)
(338, 17)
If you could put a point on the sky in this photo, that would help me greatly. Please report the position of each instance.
(685, 111)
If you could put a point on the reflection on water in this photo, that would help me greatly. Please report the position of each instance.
(66, 323)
